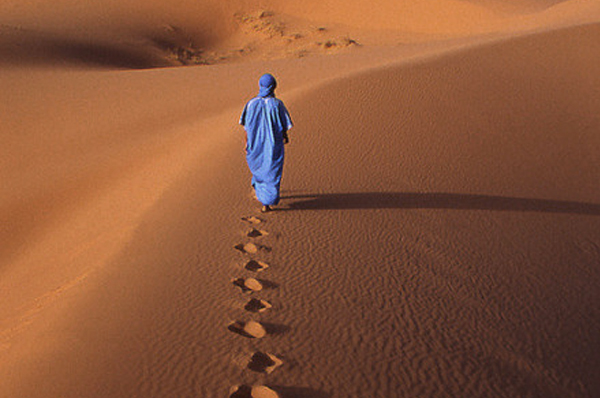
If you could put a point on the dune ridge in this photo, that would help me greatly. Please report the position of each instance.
(130, 36)
(437, 234)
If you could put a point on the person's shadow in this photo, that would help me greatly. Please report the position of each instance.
(435, 200)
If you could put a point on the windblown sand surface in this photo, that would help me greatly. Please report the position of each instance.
(438, 236)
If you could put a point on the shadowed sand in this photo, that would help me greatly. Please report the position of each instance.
(256, 233)
(438, 233)
(256, 266)
(40, 50)
(263, 362)
(257, 305)
(385, 200)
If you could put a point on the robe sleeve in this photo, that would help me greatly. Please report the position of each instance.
(243, 116)
(284, 117)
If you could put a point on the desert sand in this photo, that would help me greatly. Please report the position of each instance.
(439, 229)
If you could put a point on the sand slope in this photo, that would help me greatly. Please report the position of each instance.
(431, 203)
(438, 234)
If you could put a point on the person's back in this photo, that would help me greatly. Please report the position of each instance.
(266, 121)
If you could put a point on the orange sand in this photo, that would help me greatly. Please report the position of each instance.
(439, 232)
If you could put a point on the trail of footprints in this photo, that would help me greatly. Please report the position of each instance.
(260, 362)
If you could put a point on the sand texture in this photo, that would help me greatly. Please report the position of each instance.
(439, 228)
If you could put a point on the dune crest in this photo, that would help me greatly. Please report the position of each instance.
(130, 36)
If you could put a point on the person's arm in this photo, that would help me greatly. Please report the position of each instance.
(242, 123)
(285, 121)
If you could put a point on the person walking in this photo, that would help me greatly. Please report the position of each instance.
(266, 121)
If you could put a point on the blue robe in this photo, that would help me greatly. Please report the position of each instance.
(265, 120)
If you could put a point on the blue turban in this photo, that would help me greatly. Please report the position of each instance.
(267, 85)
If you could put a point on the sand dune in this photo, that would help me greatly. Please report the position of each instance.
(128, 35)
(438, 234)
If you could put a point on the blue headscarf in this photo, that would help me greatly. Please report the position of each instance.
(267, 85)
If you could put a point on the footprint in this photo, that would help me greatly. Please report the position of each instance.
(251, 248)
(256, 305)
(248, 284)
(263, 362)
(240, 392)
(250, 329)
(255, 233)
(256, 266)
(253, 220)
(244, 391)
(263, 392)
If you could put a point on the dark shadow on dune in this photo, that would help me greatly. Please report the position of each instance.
(299, 392)
(98, 54)
(408, 200)
(37, 48)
